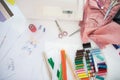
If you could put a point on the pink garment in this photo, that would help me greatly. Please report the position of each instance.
(93, 26)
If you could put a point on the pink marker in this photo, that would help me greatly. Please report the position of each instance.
(80, 70)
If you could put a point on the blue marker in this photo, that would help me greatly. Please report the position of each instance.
(44, 30)
(100, 57)
(102, 66)
(39, 27)
(99, 77)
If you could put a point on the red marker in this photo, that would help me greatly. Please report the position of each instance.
(32, 28)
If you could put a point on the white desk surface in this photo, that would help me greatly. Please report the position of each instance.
(17, 64)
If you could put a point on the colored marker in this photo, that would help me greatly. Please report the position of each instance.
(100, 57)
(87, 78)
(101, 74)
(80, 65)
(102, 66)
(63, 61)
(77, 63)
(80, 70)
(103, 63)
(44, 30)
(80, 51)
(82, 74)
(99, 77)
(94, 53)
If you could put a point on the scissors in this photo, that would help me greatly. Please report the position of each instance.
(112, 4)
(62, 33)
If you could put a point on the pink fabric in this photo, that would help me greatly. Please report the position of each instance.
(93, 26)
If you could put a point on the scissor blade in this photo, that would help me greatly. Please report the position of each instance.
(74, 32)
(109, 9)
(58, 26)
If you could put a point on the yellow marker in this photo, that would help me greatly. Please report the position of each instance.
(85, 76)
(12, 2)
(82, 74)
(90, 71)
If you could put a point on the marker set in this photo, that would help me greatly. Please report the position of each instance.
(90, 64)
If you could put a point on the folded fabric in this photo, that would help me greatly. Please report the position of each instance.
(94, 27)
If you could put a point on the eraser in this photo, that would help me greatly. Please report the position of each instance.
(32, 28)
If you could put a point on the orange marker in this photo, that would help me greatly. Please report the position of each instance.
(85, 78)
(63, 60)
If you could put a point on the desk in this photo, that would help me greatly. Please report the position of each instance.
(20, 63)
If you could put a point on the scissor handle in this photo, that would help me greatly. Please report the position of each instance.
(60, 35)
(64, 33)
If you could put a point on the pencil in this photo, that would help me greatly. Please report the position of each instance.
(47, 66)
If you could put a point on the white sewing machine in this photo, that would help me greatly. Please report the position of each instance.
(52, 9)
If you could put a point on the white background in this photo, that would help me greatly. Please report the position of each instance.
(31, 66)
